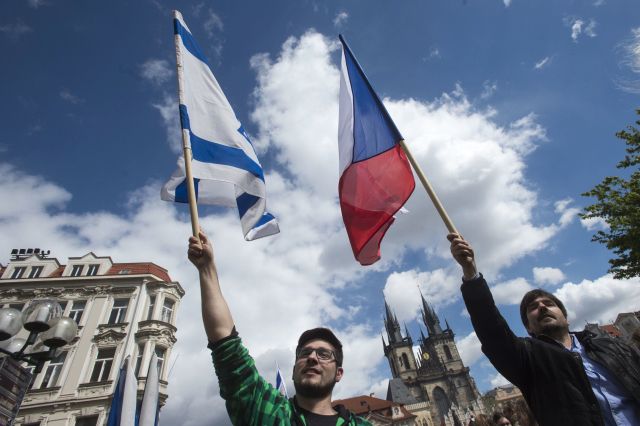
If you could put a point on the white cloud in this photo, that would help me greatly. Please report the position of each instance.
(169, 112)
(470, 349)
(510, 292)
(157, 71)
(67, 96)
(598, 3)
(488, 89)
(35, 4)
(567, 213)
(341, 19)
(631, 60)
(579, 26)
(599, 300)
(542, 63)
(507, 3)
(212, 24)
(403, 289)
(16, 30)
(498, 380)
(594, 223)
(448, 136)
(547, 275)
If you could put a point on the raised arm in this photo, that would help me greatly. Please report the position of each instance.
(463, 254)
(216, 316)
(506, 352)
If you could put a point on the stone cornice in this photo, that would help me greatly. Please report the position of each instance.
(173, 285)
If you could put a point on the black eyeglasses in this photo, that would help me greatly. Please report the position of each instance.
(323, 354)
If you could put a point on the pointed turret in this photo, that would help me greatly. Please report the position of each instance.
(394, 335)
(430, 318)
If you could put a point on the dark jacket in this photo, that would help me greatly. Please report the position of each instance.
(551, 378)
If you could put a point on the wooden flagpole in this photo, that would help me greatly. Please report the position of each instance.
(427, 186)
(191, 192)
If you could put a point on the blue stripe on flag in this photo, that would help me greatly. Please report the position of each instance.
(184, 117)
(245, 202)
(215, 153)
(266, 217)
(373, 130)
(188, 41)
(182, 194)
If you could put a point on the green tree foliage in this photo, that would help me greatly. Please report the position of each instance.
(618, 204)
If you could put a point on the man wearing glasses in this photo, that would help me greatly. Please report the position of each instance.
(250, 399)
(568, 378)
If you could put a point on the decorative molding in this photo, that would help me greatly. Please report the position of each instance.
(173, 285)
(109, 337)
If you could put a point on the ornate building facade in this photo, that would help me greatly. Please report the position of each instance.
(431, 380)
(122, 309)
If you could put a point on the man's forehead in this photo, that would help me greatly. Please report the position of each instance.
(318, 343)
(539, 299)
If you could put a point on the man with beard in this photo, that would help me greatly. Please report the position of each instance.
(250, 399)
(568, 378)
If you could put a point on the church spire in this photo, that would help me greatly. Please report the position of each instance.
(430, 318)
(394, 335)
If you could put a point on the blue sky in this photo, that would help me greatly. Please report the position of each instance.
(510, 106)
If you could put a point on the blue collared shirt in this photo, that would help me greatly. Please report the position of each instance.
(616, 405)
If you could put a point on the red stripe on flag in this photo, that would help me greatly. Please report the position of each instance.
(371, 192)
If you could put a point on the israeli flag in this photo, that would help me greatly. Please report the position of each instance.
(226, 170)
(281, 386)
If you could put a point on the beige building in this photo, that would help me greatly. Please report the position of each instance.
(122, 309)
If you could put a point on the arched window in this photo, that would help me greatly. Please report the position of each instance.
(447, 352)
(405, 360)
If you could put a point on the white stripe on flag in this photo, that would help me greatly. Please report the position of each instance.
(149, 409)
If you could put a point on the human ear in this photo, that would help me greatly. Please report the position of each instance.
(339, 374)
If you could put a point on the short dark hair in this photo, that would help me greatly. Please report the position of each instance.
(532, 295)
(322, 334)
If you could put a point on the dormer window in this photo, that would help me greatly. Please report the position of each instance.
(76, 270)
(18, 272)
(36, 271)
(93, 270)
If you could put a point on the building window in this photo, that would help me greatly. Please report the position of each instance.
(102, 367)
(167, 310)
(77, 309)
(405, 358)
(93, 270)
(119, 311)
(18, 272)
(52, 372)
(35, 271)
(152, 302)
(76, 270)
(87, 420)
(160, 353)
(139, 359)
(447, 352)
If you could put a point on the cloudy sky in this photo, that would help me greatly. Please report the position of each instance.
(509, 106)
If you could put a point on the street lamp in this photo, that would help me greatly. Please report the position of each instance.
(42, 318)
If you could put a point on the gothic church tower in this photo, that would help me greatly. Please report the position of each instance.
(433, 378)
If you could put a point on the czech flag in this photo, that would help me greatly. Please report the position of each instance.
(375, 175)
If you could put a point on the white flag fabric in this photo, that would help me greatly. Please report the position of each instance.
(123, 403)
(225, 167)
(149, 409)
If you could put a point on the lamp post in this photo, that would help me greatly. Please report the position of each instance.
(44, 321)
(42, 318)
